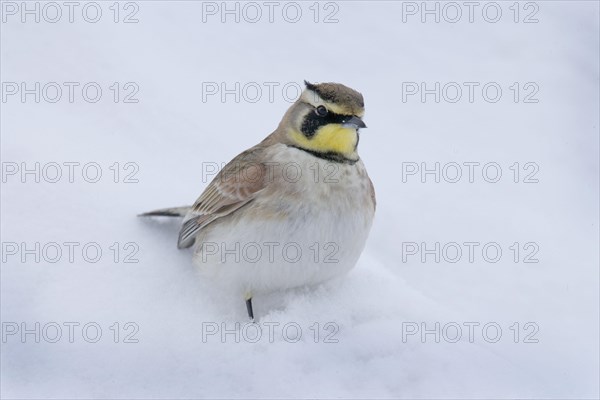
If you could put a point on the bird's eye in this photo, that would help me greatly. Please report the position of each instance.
(321, 111)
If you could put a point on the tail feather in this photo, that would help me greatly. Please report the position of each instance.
(167, 212)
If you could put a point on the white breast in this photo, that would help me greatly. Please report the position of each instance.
(309, 225)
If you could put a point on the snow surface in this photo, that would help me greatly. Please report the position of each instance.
(171, 132)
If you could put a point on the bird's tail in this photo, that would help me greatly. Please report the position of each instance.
(168, 212)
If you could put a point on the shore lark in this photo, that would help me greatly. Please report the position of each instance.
(295, 209)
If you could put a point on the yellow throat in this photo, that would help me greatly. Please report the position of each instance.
(329, 138)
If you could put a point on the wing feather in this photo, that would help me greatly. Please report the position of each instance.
(234, 186)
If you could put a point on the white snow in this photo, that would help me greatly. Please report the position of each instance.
(171, 132)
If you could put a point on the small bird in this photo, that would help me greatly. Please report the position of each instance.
(294, 210)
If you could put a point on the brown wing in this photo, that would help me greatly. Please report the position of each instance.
(236, 185)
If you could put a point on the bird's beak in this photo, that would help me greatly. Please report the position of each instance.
(354, 122)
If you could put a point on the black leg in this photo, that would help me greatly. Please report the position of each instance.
(249, 308)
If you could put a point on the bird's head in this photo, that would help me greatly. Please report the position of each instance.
(325, 120)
